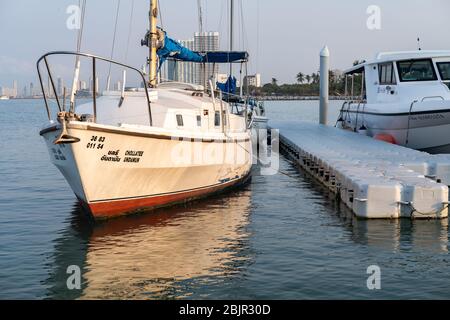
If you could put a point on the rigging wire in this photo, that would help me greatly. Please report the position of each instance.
(243, 28)
(82, 5)
(130, 27)
(219, 27)
(113, 44)
(238, 24)
(257, 34)
(160, 15)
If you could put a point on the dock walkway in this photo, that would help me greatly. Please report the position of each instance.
(373, 178)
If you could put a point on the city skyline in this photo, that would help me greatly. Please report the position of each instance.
(290, 44)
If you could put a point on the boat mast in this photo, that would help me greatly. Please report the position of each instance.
(152, 42)
(231, 32)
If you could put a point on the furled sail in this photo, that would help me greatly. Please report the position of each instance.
(171, 49)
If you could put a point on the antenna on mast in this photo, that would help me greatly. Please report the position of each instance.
(200, 16)
(418, 44)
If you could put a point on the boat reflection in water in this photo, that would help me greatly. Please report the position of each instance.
(155, 255)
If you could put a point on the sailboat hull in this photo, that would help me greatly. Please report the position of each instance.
(115, 171)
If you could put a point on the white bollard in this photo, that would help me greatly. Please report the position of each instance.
(324, 84)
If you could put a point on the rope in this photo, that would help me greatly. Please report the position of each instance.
(414, 210)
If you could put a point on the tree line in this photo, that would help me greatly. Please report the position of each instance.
(307, 85)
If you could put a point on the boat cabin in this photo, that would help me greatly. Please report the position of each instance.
(402, 77)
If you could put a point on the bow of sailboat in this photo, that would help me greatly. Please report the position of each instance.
(145, 144)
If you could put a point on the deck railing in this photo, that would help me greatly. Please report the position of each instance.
(94, 59)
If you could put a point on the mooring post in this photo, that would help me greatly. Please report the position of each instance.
(324, 84)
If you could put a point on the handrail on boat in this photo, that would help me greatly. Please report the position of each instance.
(94, 95)
(432, 97)
(240, 100)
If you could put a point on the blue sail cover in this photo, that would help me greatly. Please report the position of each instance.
(229, 86)
(173, 49)
(225, 56)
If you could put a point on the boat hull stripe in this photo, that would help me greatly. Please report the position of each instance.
(118, 207)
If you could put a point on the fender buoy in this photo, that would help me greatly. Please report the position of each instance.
(385, 137)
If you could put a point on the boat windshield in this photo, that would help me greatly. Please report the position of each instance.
(416, 70)
(444, 70)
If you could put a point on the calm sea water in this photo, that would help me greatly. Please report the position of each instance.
(281, 237)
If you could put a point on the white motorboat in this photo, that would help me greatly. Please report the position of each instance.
(259, 118)
(147, 146)
(405, 99)
(4, 98)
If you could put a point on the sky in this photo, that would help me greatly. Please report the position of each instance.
(283, 37)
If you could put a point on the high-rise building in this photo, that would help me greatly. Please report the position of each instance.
(181, 71)
(118, 86)
(206, 41)
(190, 72)
(15, 87)
(31, 89)
(48, 89)
(9, 92)
(60, 88)
(253, 80)
(91, 85)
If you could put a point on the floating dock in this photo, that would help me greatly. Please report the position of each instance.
(373, 178)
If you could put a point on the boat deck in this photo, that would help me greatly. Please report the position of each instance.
(373, 178)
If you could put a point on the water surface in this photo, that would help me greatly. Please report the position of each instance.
(280, 237)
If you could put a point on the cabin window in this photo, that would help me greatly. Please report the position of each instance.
(199, 121)
(217, 118)
(386, 73)
(180, 120)
(416, 70)
(444, 70)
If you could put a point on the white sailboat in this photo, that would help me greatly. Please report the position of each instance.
(150, 146)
